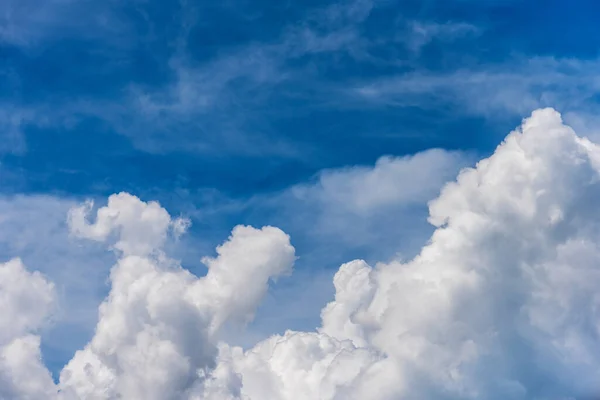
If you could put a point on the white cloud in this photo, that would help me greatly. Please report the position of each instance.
(501, 303)
(27, 300)
(376, 212)
(34, 228)
(158, 327)
(140, 227)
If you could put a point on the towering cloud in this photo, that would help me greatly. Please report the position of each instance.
(501, 303)
(158, 328)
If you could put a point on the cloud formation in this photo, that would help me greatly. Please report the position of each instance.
(27, 299)
(158, 327)
(501, 303)
(500, 300)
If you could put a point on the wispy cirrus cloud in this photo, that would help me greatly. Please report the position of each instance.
(228, 102)
(425, 32)
(213, 103)
(29, 23)
(11, 121)
(494, 90)
(239, 99)
(227, 93)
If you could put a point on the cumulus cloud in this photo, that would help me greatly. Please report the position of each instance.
(140, 227)
(27, 299)
(501, 303)
(34, 228)
(158, 328)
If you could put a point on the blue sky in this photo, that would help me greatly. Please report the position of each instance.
(266, 112)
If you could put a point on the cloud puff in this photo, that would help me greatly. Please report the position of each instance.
(34, 228)
(27, 299)
(140, 227)
(501, 303)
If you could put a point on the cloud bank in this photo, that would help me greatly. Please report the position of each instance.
(501, 302)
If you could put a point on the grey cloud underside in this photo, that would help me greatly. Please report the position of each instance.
(499, 304)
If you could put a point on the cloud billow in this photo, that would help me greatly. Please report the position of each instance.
(501, 303)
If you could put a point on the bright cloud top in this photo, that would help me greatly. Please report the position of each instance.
(501, 303)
